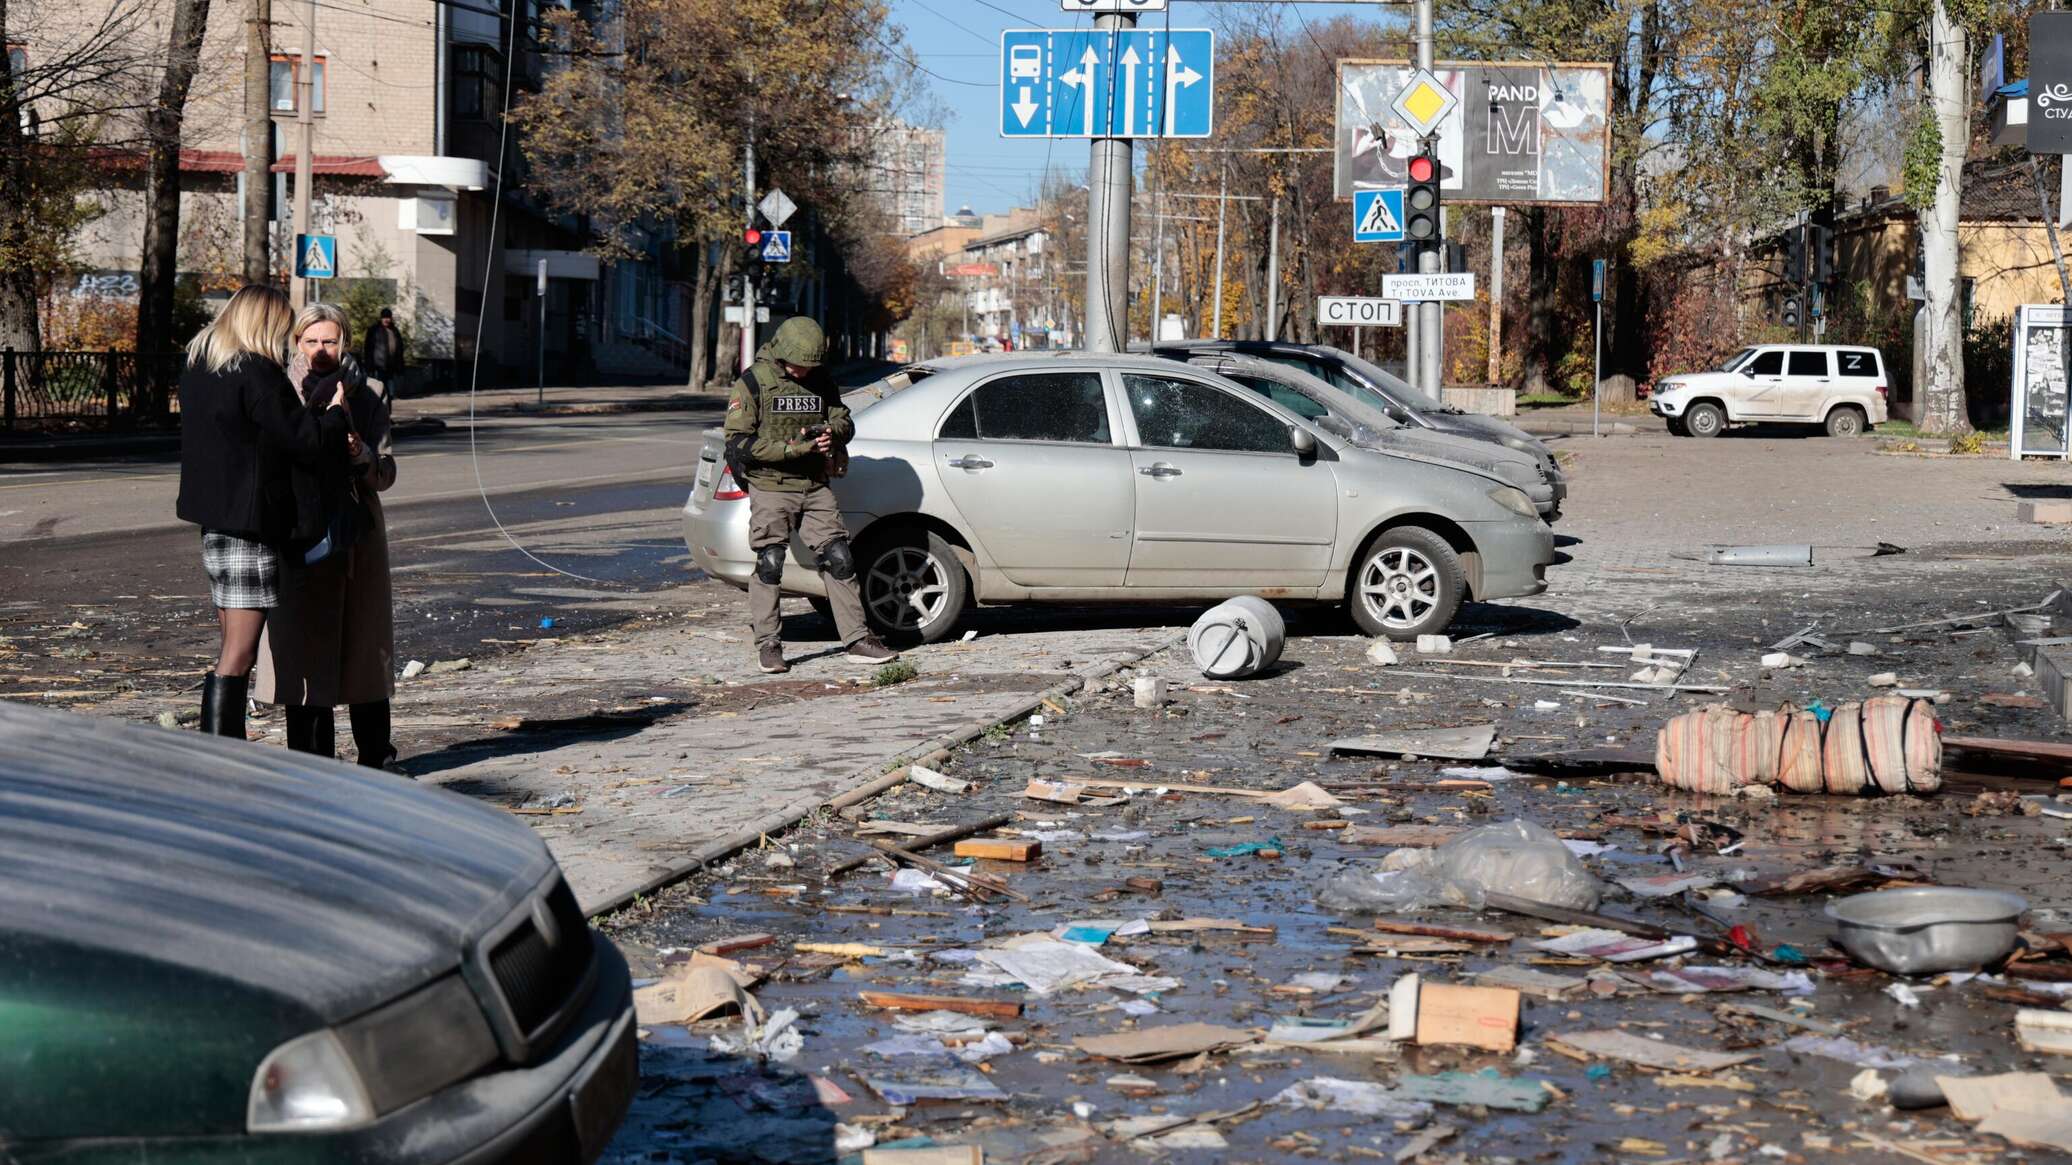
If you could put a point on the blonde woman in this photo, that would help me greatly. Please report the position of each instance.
(332, 639)
(242, 429)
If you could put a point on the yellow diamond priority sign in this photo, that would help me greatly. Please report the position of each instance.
(1424, 103)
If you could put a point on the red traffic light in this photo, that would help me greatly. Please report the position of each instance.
(751, 236)
(1423, 168)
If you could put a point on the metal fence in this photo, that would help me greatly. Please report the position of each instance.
(97, 390)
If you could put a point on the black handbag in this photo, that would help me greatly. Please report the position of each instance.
(344, 518)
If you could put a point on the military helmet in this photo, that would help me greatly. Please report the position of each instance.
(799, 341)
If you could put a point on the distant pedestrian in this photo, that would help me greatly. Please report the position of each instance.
(381, 356)
(242, 429)
(332, 640)
(786, 428)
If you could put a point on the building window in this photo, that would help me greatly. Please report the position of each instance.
(1968, 298)
(283, 81)
(478, 76)
(17, 60)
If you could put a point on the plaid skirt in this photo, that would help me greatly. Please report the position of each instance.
(242, 574)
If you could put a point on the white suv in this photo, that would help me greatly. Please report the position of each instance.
(1813, 384)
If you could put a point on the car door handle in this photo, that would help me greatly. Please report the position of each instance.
(968, 461)
(1159, 469)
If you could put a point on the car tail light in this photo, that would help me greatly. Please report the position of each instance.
(726, 489)
(1881, 390)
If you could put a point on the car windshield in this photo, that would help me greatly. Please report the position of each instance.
(1388, 382)
(859, 399)
(1737, 359)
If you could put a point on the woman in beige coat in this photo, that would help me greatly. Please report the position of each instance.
(332, 639)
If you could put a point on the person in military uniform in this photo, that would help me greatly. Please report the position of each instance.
(786, 434)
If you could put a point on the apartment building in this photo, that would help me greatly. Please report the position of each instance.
(906, 172)
(408, 97)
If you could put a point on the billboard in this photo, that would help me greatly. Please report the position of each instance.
(1523, 133)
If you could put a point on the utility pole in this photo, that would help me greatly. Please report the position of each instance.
(1108, 225)
(1496, 294)
(1431, 335)
(305, 100)
(258, 205)
(1273, 271)
(748, 269)
(1158, 251)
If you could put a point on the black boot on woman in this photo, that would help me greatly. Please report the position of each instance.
(371, 734)
(312, 730)
(223, 705)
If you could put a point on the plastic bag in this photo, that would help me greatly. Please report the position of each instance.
(1516, 858)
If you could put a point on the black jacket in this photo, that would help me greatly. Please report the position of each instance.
(241, 433)
(382, 353)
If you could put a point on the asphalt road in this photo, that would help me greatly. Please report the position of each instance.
(101, 581)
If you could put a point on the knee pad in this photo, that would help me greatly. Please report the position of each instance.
(837, 560)
(769, 564)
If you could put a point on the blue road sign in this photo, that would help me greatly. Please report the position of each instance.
(1377, 216)
(1597, 281)
(1108, 83)
(776, 246)
(316, 257)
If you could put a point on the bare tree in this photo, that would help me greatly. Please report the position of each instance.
(162, 122)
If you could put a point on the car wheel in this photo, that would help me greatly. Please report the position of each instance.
(914, 587)
(1845, 422)
(1677, 427)
(1407, 584)
(1704, 421)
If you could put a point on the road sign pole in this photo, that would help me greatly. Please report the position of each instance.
(1496, 295)
(1431, 324)
(1222, 215)
(305, 96)
(1273, 272)
(748, 269)
(1108, 226)
(541, 288)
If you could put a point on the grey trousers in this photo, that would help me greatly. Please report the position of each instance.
(772, 517)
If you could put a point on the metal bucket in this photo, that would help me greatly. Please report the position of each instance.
(1237, 638)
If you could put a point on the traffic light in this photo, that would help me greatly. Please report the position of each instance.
(1789, 315)
(1795, 255)
(751, 247)
(1823, 253)
(1421, 198)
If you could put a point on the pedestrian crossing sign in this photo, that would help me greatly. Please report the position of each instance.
(316, 256)
(1377, 216)
(776, 246)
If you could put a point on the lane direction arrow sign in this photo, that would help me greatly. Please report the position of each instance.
(1177, 75)
(1122, 83)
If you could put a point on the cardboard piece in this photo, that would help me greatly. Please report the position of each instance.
(1450, 1014)
(1470, 743)
(934, 1155)
(1974, 1098)
(2044, 1031)
(704, 987)
(1000, 849)
(1056, 792)
(1157, 1044)
(1647, 1053)
(2035, 1130)
(1531, 982)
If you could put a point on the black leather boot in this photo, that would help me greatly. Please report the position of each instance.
(312, 730)
(371, 734)
(223, 705)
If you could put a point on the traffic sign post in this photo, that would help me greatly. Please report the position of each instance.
(776, 246)
(1597, 271)
(1378, 216)
(1354, 311)
(1107, 82)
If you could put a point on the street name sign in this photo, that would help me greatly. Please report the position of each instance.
(777, 207)
(1107, 83)
(1378, 216)
(316, 256)
(1429, 286)
(776, 246)
(1359, 311)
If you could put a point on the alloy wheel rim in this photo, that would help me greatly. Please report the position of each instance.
(1400, 587)
(907, 588)
(1702, 421)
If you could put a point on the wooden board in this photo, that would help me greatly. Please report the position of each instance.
(1000, 849)
(893, 1001)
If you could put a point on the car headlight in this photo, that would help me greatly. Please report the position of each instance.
(308, 1085)
(1515, 501)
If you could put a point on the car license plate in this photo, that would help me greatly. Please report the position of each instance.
(599, 1100)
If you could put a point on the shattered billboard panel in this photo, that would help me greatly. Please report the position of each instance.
(1523, 133)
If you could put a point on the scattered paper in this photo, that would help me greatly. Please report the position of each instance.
(1614, 947)
(929, 778)
(1732, 979)
(1849, 1052)
(1974, 1098)
(1359, 1097)
(1470, 743)
(1647, 1053)
(1488, 1088)
(1157, 1044)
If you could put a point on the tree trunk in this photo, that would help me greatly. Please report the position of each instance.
(19, 328)
(1539, 302)
(162, 184)
(258, 209)
(1942, 395)
(701, 309)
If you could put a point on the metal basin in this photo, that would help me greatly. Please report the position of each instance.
(1927, 929)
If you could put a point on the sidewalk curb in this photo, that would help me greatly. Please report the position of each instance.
(875, 778)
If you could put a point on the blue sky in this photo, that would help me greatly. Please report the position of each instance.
(960, 39)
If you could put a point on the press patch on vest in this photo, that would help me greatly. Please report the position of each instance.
(797, 404)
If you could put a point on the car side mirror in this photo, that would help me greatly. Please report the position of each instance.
(1304, 442)
(1748, 372)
